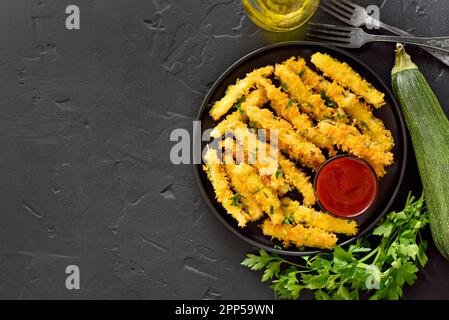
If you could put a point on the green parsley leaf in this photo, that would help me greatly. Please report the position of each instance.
(327, 100)
(278, 173)
(379, 264)
(284, 86)
(235, 200)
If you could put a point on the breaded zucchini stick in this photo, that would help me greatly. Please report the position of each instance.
(349, 139)
(247, 179)
(290, 141)
(243, 195)
(255, 98)
(271, 177)
(344, 75)
(220, 129)
(288, 109)
(237, 91)
(359, 111)
(296, 213)
(300, 235)
(217, 176)
(286, 171)
(299, 180)
(267, 162)
(310, 102)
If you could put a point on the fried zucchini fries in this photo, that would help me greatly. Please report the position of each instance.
(237, 91)
(277, 127)
(344, 75)
(298, 179)
(356, 109)
(349, 139)
(290, 141)
(300, 235)
(286, 173)
(296, 213)
(248, 180)
(255, 98)
(288, 109)
(268, 169)
(246, 198)
(312, 103)
(264, 157)
(217, 176)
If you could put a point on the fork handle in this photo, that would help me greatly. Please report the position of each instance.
(440, 55)
(439, 43)
(395, 30)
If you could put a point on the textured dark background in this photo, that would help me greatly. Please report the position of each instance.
(85, 118)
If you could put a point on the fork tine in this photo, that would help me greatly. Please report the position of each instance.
(349, 3)
(331, 27)
(340, 11)
(330, 4)
(323, 6)
(332, 43)
(332, 32)
(327, 37)
(343, 6)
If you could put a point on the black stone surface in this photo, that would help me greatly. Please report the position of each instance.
(85, 120)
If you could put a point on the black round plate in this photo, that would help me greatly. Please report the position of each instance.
(390, 115)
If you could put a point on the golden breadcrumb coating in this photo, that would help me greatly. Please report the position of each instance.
(237, 153)
(217, 176)
(296, 213)
(255, 98)
(288, 109)
(299, 180)
(286, 173)
(300, 235)
(262, 155)
(290, 141)
(248, 179)
(349, 139)
(237, 91)
(220, 129)
(306, 114)
(344, 75)
(245, 197)
(310, 102)
(356, 109)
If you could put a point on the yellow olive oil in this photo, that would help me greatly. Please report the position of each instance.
(280, 15)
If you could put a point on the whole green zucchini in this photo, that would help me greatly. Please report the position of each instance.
(429, 130)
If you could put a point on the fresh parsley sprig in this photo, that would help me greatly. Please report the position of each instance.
(381, 271)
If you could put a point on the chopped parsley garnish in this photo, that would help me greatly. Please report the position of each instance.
(289, 220)
(278, 173)
(284, 86)
(235, 200)
(327, 101)
(364, 124)
(238, 105)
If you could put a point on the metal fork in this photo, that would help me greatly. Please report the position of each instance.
(356, 16)
(350, 37)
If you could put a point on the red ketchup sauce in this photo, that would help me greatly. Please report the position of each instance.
(346, 186)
